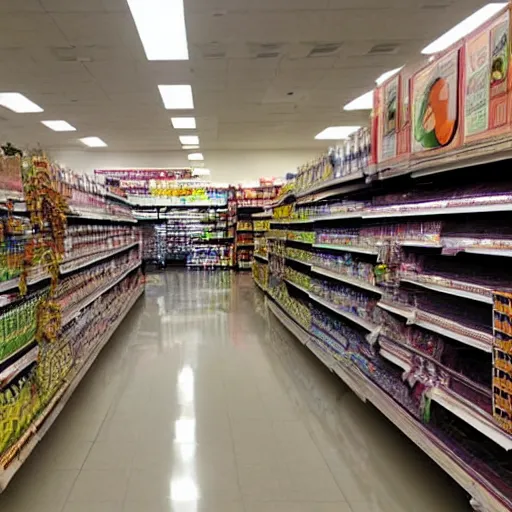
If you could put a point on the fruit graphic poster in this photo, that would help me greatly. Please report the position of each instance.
(476, 109)
(389, 118)
(435, 103)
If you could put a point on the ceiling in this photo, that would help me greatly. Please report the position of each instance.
(256, 82)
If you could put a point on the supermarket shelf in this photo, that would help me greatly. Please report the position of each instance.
(454, 210)
(260, 257)
(398, 309)
(298, 286)
(303, 242)
(279, 238)
(292, 221)
(350, 316)
(281, 200)
(481, 491)
(14, 283)
(339, 216)
(426, 245)
(331, 183)
(245, 245)
(262, 215)
(472, 415)
(124, 200)
(452, 291)
(78, 214)
(15, 353)
(19, 365)
(402, 363)
(74, 312)
(321, 354)
(490, 252)
(410, 314)
(259, 285)
(320, 196)
(300, 333)
(347, 248)
(24, 447)
(347, 279)
(298, 261)
(71, 265)
(467, 340)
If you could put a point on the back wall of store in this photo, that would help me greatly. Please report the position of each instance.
(233, 166)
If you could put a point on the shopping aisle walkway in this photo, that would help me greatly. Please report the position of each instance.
(199, 404)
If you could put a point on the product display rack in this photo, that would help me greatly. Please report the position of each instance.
(251, 204)
(67, 282)
(400, 307)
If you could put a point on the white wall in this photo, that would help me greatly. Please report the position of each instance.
(226, 166)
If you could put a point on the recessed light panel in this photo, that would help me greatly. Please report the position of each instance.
(193, 146)
(336, 132)
(161, 27)
(59, 126)
(364, 102)
(176, 97)
(93, 142)
(18, 103)
(184, 123)
(196, 157)
(189, 139)
(463, 28)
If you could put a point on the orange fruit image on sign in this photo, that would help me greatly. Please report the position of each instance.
(434, 128)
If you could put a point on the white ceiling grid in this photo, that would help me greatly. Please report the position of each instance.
(83, 61)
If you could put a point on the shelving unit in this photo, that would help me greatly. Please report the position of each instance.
(397, 300)
(83, 292)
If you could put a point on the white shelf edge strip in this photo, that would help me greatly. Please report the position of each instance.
(437, 451)
(491, 252)
(467, 340)
(261, 257)
(410, 315)
(395, 359)
(472, 416)
(75, 310)
(20, 364)
(298, 261)
(449, 291)
(298, 286)
(347, 279)
(54, 408)
(356, 319)
(347, 248)
(331, 183)
(102, 256)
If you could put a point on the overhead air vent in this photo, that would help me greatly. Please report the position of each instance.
(384, 49)
(324, 50)
(267, 55)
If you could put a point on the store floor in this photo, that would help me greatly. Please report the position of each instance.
(202, 404)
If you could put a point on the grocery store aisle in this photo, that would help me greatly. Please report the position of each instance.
(202, 404)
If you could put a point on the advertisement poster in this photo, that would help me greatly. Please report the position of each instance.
(477, 84)
(435, 104)
(389, 118)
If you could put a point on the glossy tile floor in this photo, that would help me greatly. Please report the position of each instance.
(202, 402)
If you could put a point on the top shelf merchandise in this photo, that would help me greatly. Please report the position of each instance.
(70, 271)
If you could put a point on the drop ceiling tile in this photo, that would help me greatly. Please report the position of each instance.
(20, 6)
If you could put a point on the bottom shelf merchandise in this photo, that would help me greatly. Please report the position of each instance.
(260, 274)
(398, 390)
(35, 395)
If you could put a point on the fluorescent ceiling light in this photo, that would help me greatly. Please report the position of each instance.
(189, 139)
(93, 142)
(336, 132)
(364, 102)
(177, 96)
(183, 123)
(195, 157)
(463, 28)
(59, 126)
(388, 74)
(18, 103)
(199, 171)
(161, 27)
(193, 146)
